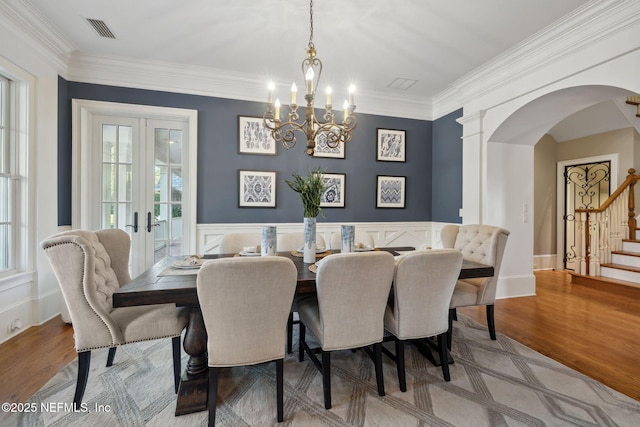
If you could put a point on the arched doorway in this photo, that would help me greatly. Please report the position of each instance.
(510, 169)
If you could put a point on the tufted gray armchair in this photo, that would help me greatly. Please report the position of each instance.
(480, 243)
(90, 266)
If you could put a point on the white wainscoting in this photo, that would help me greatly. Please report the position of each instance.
(416, 234)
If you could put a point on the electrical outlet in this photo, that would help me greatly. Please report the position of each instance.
(16, 324)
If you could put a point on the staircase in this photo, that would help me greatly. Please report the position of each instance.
(625, 264)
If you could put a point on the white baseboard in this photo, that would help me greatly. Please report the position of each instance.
(15, 292)
(516, 286)
(544, 262)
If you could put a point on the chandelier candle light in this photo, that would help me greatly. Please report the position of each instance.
(334, 133)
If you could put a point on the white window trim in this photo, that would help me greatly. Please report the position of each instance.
(23, 129)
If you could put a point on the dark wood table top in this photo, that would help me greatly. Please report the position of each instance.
(150, 288)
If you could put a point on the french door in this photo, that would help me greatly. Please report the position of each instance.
(135, 176)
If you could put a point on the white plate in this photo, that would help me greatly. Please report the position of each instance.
(243, 253)
(363, 249)
(319, 249)
(187, 264)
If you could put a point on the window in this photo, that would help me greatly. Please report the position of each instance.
(7, 177)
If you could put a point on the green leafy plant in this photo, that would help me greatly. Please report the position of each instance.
(310, 188)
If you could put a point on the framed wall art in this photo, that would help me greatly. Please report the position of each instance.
(333, 196)
(323, 150)
(390, 191)
(257, 189)
(391, 145)
(254, 137)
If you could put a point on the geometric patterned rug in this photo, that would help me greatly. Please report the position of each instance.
(493, 383)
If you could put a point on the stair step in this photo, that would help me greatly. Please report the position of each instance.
(630, 259)
(629, 245)
(621, 272)
(606, 283)
(622, 267)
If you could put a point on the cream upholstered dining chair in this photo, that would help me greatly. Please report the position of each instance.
(288, 242)
(232, 243)
(480, 243)
(419, 305)
(360, 237)
(90, 266)
(245, 304)
(348, 310)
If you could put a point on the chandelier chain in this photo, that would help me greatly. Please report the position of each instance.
(310, 23)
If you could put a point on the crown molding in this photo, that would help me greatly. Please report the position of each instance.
(161, 76)
(36, 30)
(595, 21)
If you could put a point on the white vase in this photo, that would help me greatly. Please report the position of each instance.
(269, 241)
(347, 234)
(309, 249)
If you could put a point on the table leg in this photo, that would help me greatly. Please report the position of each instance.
(429, 349)
(194, 384)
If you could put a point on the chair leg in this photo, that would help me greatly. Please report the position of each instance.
(213, 394)
(455, 314)
(176, 361)
(452, 314)
(290, 333)
(326, 378)
(444, 355)
(402, 379)
(301, 339)
(84, 361)
(377, 353)
(491, 321)
(111, 356)
(279, 389)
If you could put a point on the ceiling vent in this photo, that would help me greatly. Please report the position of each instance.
(101, 28)
(402, 83)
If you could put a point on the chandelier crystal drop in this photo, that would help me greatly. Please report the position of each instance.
(328, 130)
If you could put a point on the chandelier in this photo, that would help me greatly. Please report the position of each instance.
(327, 131)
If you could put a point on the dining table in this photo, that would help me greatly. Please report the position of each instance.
(163, 283)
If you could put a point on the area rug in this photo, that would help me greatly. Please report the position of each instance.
(493, 383)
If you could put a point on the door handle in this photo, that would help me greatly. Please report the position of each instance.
(135, 222)
(149, 225)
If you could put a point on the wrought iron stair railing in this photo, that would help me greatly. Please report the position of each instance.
(602, 230)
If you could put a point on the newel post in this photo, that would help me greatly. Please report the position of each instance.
(632, 215)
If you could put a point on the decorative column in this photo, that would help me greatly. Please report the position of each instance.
(474, 160)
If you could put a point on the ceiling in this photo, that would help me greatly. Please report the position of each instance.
(369, 43)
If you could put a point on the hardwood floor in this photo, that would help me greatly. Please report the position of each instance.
(593, 330)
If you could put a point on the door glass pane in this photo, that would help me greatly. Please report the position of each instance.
(168, 191)
(108, 215)
(108, 183)
(176, 184)
(175, 146)
(124, 183)
(109, 143)
(161, 184)
(117, 186)
(125, 216)
(125, 144)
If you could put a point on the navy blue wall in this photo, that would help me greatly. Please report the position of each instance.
(219, 161)
(447, 169)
